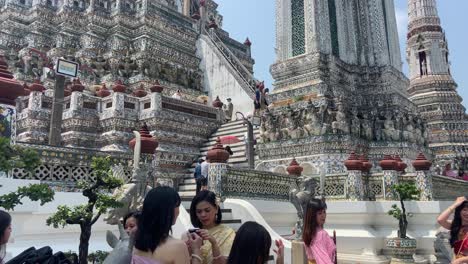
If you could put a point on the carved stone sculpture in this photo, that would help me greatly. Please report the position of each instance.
(340, 125)
(299, 196)
(121, 248)
(132, 194)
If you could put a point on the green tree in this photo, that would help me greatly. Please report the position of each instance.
(99, 201)
(18, 157)
(405, 192)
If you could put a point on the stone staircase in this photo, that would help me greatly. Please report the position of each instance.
(188, 186)
(233, 128)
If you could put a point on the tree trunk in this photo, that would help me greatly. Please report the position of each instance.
(84, 242)
(403, 221)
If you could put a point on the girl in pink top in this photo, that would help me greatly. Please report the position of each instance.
(320, 248)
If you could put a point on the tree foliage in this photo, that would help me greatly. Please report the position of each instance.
(99, 201)
(35, 192)
(18, 157)
(405, 192)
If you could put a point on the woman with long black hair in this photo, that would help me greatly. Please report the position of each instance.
(458, 228)
(153, 241)
(5, 232)
(252, 246)
(320, 248)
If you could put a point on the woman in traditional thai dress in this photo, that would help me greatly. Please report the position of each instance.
(320, 248)
(206, 215)
(5, 232)
(458, 228)
(153, 243)
(252, 246)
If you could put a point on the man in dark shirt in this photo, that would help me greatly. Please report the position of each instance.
(198, 175)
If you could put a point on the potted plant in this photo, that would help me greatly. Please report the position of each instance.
(403, 248)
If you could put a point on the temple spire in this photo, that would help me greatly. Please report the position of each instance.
(432, 87)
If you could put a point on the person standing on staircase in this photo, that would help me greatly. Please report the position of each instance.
(198, 175)
(228, 109)
(204, 172)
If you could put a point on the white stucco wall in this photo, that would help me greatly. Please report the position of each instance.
(219, 79)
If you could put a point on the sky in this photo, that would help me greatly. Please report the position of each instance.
(256, 19)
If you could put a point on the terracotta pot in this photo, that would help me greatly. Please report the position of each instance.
(140, 92)
(37, 87)
(421, 163)
(388, 163)
(103, 91)
(148, 142)
(217, 103)
(353, 162)
(218, 154)
(77, 86)
(119, 87)
(157, 87)
(294, 168)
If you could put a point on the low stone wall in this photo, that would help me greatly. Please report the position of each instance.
(447, 189)
(251, 184)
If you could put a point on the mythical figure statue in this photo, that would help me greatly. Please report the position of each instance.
(268, 130)
(132, 194)
(443, 251)
(390, 133)
(122, 248)
(340, 125)
(378, 126)
(355, 125)
(312, 123)
(366, 130)
(409, 129)
(292, 129)
(300, 195)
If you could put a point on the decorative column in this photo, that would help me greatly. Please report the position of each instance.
(354, 184)
(118, 99)
(423, 177)
(390, 177)
(35, 97)
(156, 97)
(143, 143)
(366, 167)
(76, 99)
(217, 157)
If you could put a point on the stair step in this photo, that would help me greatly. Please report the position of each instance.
(188, 187)
(240, 135)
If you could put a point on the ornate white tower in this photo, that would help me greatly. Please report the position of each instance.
(432, 87)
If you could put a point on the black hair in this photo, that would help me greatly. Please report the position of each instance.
(200, 161)
(310, 220)
(135, 215)
(203, 196)
(5, 222)
(157, 217)
(251, 245)
(457, 223)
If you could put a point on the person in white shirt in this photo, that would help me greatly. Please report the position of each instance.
(204, 173)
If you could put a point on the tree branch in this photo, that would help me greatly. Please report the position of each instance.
(95, 218)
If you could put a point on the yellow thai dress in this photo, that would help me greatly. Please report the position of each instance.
(224, 235)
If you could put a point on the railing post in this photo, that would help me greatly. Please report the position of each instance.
(423, 177)
(217, 157)
(390, 177)
(354, 184)
(298, 255)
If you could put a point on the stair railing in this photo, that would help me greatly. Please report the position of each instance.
(248, 80)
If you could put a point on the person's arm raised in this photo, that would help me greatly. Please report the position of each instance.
(445, 215)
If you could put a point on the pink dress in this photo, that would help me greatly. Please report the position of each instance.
(322, 249)
(143, 260)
